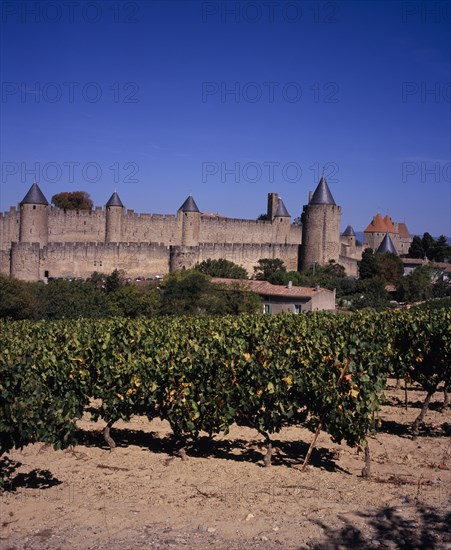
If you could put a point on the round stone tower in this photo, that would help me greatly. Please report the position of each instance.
(114, 219)
(190, 217)
(320, 228)
(34, 217)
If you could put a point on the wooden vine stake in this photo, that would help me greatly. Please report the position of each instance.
(106, 435)
(366, 472)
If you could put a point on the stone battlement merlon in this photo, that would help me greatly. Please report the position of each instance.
(131, 214)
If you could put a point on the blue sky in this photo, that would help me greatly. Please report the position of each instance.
(228, 101)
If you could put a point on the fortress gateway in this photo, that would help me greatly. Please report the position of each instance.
(39, 241)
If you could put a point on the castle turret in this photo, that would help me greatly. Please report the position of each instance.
(273, 202)
(114, 219)
(320, 228)
(34, 217)
(348, 237)
(375, 232)
(394, 236)
(190, 217)
(386, 246)
(281, 223)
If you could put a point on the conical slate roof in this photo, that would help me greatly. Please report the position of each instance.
(386, 246)
(377, 225)
(281, 211)
(115, 200)
(349, 232)
(189, 205)
(322, 194)
(389, 224)
(34, 196)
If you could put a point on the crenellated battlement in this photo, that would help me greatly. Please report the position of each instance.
(77, 242)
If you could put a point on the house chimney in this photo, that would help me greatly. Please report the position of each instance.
(290, 284)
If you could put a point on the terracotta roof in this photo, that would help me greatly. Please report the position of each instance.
(268, 289)
(391, 228)
(419, 261)
(403, 231)
(413, 261)
(34, 196)
(114, 200)
(377, 225)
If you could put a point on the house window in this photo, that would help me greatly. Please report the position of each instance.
(297, 308)
(267, 308)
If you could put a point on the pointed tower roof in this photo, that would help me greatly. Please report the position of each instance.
(189, 205)
(389, 224)
(281, 211)
(377, 225)
(386, 246)
(114, 200)
(34, 196)
(349, 232)
(403, 231)
(322, 194)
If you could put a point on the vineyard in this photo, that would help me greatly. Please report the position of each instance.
(323, 371)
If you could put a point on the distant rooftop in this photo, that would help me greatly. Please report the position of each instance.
(267, 289)
(377, 225)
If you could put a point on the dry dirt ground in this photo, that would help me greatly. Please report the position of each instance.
(140, 496)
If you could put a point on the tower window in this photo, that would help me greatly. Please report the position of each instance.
(34, 207)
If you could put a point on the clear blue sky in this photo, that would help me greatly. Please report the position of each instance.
(160, 100)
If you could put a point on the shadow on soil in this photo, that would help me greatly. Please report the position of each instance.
(36, 479)
(285, 453)
(388, 528)
(405, 430)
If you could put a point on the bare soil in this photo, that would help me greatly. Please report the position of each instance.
(141, 496)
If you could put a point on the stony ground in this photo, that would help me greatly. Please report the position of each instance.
(140, 496)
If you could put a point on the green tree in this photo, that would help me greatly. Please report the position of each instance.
(441, 251)
(390, 267)
(114, 281)
(221, 268)
(73, 200)
(233, 299)
(18, 299)
(185, 292)
(416, 249)
(368, 267)
(428, 245)
(61, 299)
(267, 267)
(417, 285)
(264, 218)
(371, 293)
(98, 280)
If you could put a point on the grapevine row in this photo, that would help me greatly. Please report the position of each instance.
(322, 370)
